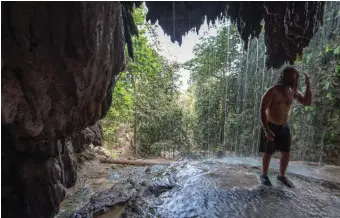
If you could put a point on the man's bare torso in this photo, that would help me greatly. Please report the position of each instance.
(277, 112)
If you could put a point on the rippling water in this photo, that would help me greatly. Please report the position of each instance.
(217, 189)
(220, 188)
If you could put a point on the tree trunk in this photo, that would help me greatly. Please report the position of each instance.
(137, 162)
(135, 117)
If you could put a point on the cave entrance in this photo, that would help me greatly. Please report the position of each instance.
(200, 94)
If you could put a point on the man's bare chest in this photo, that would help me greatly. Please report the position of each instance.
(281, 101)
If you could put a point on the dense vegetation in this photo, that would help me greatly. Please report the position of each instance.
(220, 110)
(145, 97)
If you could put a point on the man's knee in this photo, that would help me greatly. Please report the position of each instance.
(267, 155)
(285, 154)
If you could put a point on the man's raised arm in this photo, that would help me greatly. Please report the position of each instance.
(307, 98)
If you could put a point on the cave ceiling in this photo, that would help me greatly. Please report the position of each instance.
(288, 26)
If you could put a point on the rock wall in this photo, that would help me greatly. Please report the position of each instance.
(59, 64)
(89, 135)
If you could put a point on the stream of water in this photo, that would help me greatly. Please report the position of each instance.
(228, 187)
(216, 189)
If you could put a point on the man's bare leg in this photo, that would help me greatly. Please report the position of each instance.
(284, 160)
(265, 163)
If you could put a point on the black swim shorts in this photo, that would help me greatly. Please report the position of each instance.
(281, 141)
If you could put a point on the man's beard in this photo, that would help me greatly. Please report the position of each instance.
(290, 85)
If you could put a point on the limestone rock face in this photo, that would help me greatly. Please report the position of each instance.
(59, 64)
(288, 28)
(89, 135)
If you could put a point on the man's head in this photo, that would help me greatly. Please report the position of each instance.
(289, 77)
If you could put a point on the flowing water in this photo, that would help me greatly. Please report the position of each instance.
(244, 100)
(227, 187)
(227, 72)
(256, 100)
(238, 99)
(217, 189)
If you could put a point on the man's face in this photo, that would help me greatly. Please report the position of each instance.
(290, 78)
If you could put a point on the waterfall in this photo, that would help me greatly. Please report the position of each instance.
(238, 96)
(226, 87)
(244, 101)
(256, 94)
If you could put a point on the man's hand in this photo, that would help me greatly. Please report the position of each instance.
(306, 79)
(307, 98)
(290, 93)
(269, 134)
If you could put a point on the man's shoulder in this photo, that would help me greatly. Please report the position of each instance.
(273, 89)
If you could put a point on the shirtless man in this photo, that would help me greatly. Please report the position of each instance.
(275, 132)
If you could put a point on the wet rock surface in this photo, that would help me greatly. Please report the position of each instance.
(102, 201)
(213, 188)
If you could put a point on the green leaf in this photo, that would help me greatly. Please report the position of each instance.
(337, 69)
(337, 50)
(309, 108)
(327, 84)
(308, 58)
(329, 95)
(326, 48)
